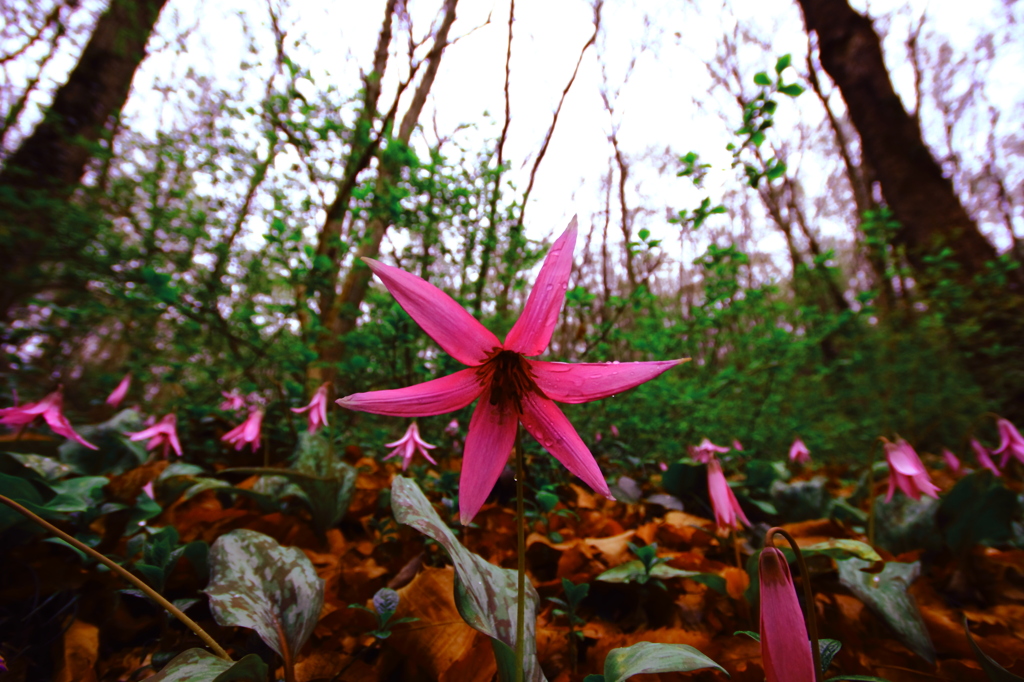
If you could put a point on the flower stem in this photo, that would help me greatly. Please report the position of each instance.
(149, 591)
(871, 496)
(521, 526)
(805, 578)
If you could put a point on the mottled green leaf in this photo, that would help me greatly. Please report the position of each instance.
(885, 593)
(198, 665)
(256, 583)
(649, 657)
(994, 671)
(48, 468)
(485, 594)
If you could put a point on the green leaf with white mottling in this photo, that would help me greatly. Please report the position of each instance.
(48, 468)
(198, 665)
(885, 593)
(633, 571)
(650, 657)
(485, 594)
(256, 583)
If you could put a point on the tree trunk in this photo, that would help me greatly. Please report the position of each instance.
(37, 181)
(339, 318)
(930, 214)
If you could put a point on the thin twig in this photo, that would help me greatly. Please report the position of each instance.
(121, 571)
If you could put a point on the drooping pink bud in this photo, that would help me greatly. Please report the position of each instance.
(785, 648)
(952, 461)
(317, 409)
(723, 501)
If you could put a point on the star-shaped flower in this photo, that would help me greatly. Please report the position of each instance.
(906, 471)
(705, 452)
(1010, 442)
(246, 432)
(408, 445)
(50, 409)
(511, 388)
(163, 433)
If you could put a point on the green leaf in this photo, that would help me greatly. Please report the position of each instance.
(761, 78)
(783, 63)
(48, 468)
(994, 671)
(116, 454)
(649, 657)
(978, 509)
(828, 648)
(258, 584)
(793, 90)
(197, 665)
(886, 595)
(484, 593)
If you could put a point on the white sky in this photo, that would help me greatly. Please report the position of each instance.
(655, 110)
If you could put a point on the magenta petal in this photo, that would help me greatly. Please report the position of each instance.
(582, 382)
(532, 331)
(492, 433)
(556, 434)
(444, 320)
(785, 649)
(437, 396)
(903, 458)
(62, 427)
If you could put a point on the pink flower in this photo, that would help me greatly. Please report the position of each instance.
(785, 648)
(951, 461)
(615, 430)
(662, 466)
(246, 432)
(49, 408)
(118, 394)
(799, 453)
(737, 445)
(598, 437)
(408, 445)
(1010, 442)
(906, 471)
(233, 401)
(317, 409)
(148, 489)
(511, 388)
(983, 457)
(723, 501)
(705, 452)
(163, 433)
(453, 428)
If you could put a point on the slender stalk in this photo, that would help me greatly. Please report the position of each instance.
(149, 591)
(521, 526)
(871, 496)
(812, 620)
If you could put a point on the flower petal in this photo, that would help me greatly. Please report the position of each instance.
(581, 382)
(444, 320)
(492, 433)
(903, 458)
(437, 396)
(785, 649)
(556, 434)
(532, 331)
